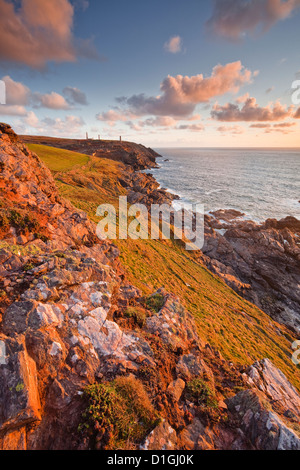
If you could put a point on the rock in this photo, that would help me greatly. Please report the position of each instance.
(163, 437)
(173, 324)
(259, 261)
(6, 129)
(14, 440)
(190, 366)
(19, 397)
(263, 428)
(273, 383)
(176, 388)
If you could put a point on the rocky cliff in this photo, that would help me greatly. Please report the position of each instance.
(77, 340)
(259, 261)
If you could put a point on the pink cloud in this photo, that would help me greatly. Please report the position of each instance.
(250, 112)
(174, 45)
(18, 94)
(37, 32)
(180, 95)
(297, 114)
(233, 19)
(50, 100)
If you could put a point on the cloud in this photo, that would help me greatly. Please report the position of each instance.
(160, 121)
(250, 112)
(234, 19)
(231, 129)
(174, 45)
(191, 127)
(260, 126)
(180, 95)
(66, 127)
(34, 32)
(18, 94)
(49, 100)
(12, 110)
(112, 116)
(297, 114)
(285, 124)
(75, 96)
(283, 127)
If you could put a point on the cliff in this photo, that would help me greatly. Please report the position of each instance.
(90, 360)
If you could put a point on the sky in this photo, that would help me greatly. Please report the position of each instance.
(164, 73)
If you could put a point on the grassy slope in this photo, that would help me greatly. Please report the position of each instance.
(238, 329)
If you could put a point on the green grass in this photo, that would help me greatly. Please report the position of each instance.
(235, 327)
(59, 159)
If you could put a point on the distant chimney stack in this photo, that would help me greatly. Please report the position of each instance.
(120, 138)
(87, 136)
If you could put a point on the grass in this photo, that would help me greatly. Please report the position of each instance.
(235, 327)
(58, 159)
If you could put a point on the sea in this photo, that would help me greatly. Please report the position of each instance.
(261, 183)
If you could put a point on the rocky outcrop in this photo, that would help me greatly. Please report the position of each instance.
(259, 261)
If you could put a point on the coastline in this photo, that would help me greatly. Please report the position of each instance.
(257, 259)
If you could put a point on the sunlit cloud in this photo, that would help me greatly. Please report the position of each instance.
(174, 45)
(234, 19)
(181, 94)
(18, 94)
(251, 112)
(36, 32)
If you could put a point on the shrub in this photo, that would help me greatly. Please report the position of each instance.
(117, 412)
(23, 222)
(200, 393)
(4, 221)
(155, 302)
(138, 314)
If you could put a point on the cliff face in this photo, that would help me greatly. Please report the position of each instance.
(259, 261)
(74, 330)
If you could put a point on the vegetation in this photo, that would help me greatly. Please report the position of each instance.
(118, 413)
(59, 159)
(21, 220)
(139, 315)
(201, 393)
(155, 302)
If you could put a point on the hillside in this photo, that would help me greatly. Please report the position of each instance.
(137, 345)
(232, 325)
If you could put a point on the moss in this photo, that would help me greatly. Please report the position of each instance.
(117, 413)
(20, 387)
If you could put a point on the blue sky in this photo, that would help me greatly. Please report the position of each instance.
(82, 55)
